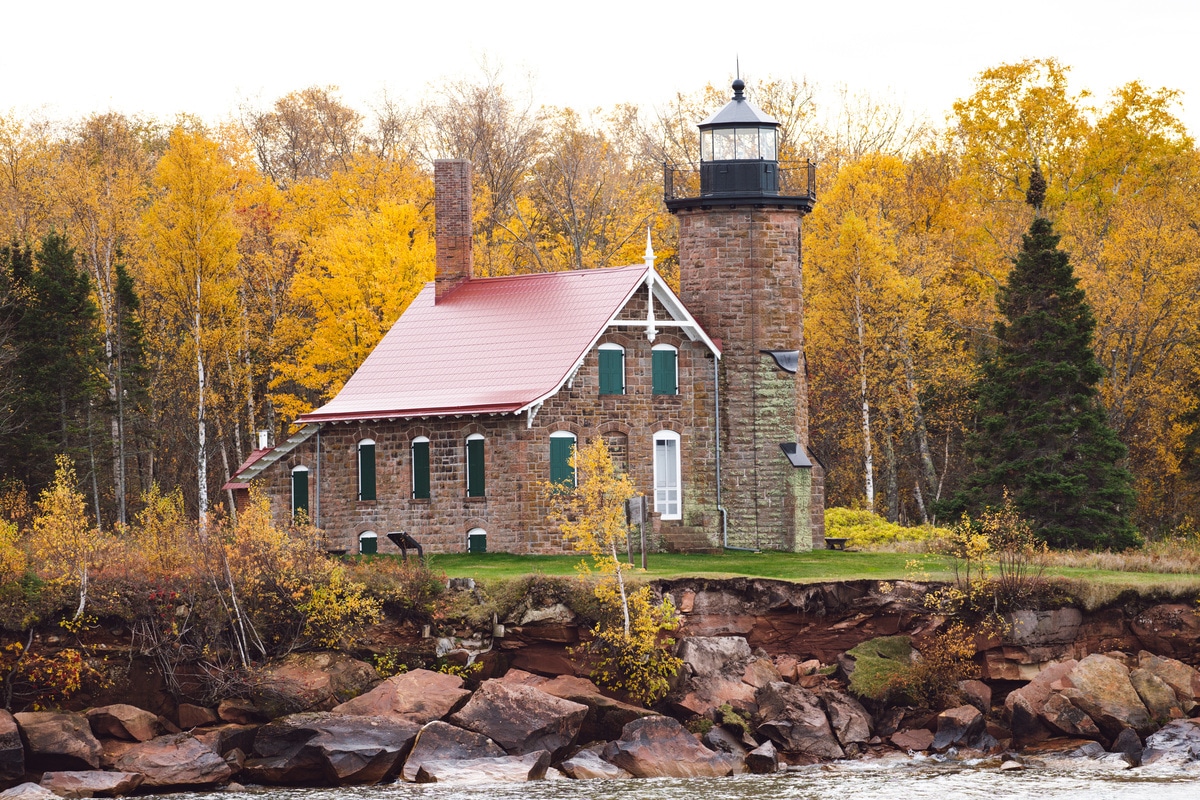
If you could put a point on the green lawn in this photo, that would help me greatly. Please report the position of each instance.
(821, 565)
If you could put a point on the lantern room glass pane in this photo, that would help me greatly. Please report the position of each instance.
(706, 146)
(747, 143)
(724, 147)
(766, 144)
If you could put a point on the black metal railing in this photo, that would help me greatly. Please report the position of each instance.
(795, 179)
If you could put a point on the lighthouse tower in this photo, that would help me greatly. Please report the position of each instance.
(740, 275)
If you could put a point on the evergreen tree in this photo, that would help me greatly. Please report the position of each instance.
(57, 360)
(1043, 435)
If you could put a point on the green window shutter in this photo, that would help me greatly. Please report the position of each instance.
(612, 371)
(299, 491)
(475, 468)
(366, 472)
(666, 373)
(420, 466)
(560, 461)
(368, 545)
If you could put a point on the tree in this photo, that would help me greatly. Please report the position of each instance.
(1043, 435)
(57, 359)
(591, 516)
(191, 239)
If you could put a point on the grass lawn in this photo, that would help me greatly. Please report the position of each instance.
(820, 565)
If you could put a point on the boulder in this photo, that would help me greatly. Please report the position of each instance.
(850, 722)
(419, 696)
(320, 747)
(28, 791)
(977, 693)
(763, 760)
(240, 712)
(123, 721)
(587, 765)
(522, 719)
(223, 738)
(441, 740)
(606, 717)
(1173, 745)
(1184, 680)
(1129, 743)
(1102, 690)
(720, 739)
(505, 769)
(957, 727)
(913, 740)
(794, 719)
(12, 751)
(112, 750)
(1062, 716)
(1158, 697)
(708, 656)
(659, 747)
(1025, 704)
(311, 682)
(759, 672)
(193, 716)
(90, 783)
(706, 694)
(174, 760)
(55, 740)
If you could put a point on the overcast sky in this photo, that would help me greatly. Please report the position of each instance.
(65, 58)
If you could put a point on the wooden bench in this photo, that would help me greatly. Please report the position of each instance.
(835, 544)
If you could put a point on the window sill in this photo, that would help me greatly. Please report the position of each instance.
(419, 501)
(476, 499)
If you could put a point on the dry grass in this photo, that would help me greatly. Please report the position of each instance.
(1172, 556)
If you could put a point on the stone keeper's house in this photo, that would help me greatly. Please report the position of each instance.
(475, 397)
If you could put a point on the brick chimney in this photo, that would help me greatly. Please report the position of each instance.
(452, 213)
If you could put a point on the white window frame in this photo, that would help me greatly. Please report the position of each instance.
(292, 490)
(575, 439)
(668, 500)
(412, 489)
(474, 437)
(358, 451)
(368, 535)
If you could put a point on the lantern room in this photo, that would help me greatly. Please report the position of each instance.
(739, 150)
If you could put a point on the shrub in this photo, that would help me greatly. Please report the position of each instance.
(407, 589)
(864, 530)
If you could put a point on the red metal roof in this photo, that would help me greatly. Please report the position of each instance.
(491, 346)
(254, 456)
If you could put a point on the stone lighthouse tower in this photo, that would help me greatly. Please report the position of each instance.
(739, 273)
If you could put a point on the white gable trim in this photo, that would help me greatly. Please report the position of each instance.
(680, 318)
(279, 451)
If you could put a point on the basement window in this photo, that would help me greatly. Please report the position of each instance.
(368, 543)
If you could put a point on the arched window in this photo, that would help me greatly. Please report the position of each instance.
(299, 490)
(366, 469)
(477, 540)
(562, 447)
(368, 543)
(420, 468)
(668, 487)
(665, 366)
(612, 368)
(475, 481)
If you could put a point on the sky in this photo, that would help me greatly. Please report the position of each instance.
(62, 59)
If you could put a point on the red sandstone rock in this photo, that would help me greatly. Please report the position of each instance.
(311, 682)
(1103, 691)
(505, 769)
(1025, 704)
(90, 783)
(1065, 718)
(240, 712)
(977, 693)
(1184, 680)
(586, 764)
(795, 721)
(123, 721)
(1170, 629)
(914, 740)
(1158, 697)
(175, 760)
(12, 751)
(760, 672)
(58, 740)
(441, 740)
(659, 747)
(193, 716)
(521, 719)
(849, 720)
(336, 748)
(957, 727)
(419, 696)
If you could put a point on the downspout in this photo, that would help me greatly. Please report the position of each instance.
(717, 441)
(317, 498)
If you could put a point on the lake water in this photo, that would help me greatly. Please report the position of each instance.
(863, 780)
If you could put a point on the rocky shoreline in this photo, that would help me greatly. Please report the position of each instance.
(737, 707)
